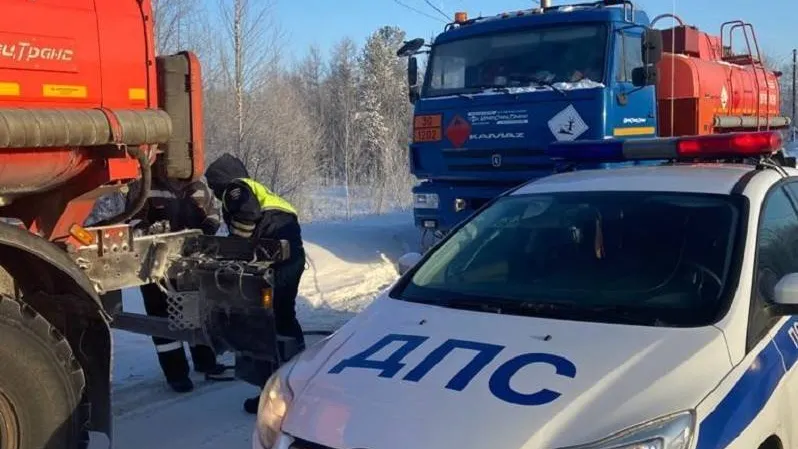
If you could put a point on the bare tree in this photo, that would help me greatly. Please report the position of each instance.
(179, 25)
(248, 56)
(346, 140)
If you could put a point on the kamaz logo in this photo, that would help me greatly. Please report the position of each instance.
(497, 136)
(634, 121)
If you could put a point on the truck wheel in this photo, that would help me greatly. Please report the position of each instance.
(41, 383)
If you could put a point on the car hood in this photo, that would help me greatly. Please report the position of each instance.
(410, 375)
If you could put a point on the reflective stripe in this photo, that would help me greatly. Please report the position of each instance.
(267, 199)
(240, 233)
(161, 194)
(243, 226)
(168, 347)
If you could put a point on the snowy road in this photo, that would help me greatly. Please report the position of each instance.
(349, 263)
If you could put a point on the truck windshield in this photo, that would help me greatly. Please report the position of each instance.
(529, 58)
(659, 259)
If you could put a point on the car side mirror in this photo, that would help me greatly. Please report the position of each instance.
(786, 291)
(407, 262)
(785, 301)
(644, 76)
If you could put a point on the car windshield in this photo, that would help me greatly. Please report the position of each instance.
(529, 58)
(645, 258)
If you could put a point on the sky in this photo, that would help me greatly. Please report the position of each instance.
(324, 22)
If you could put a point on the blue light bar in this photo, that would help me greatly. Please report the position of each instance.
(587, 151)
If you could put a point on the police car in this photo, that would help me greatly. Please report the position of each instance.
(646, 307)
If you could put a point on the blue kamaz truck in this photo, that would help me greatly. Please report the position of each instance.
(498, 90)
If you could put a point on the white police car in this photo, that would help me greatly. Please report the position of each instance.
(635, 308)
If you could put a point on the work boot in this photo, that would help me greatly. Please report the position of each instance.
(251, 405)
(217, 373)
(181, 385)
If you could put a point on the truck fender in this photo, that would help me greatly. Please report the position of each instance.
(54, 285)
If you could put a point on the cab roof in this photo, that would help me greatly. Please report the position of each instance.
(564, 14)
(697, 178)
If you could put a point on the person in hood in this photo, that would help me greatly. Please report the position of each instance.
(252, 211)
(171, 208)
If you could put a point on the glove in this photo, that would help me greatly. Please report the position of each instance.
(210, 225)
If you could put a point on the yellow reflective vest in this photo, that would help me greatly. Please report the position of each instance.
(267, 199)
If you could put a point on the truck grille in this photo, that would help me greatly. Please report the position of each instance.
(508, 160)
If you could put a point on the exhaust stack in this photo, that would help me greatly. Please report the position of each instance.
(545, 3)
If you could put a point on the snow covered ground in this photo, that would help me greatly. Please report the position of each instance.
(349, 263)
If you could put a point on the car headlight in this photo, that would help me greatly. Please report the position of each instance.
(669, 432)
(275, 400)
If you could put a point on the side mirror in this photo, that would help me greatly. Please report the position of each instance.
(652, 46)
(410, 47)
(412, 71)
(415, 94)
(407, 262)
(412, 79)
(644, 76)
(786, 291)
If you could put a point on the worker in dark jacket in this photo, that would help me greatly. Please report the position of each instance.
(171, 209)
(251, 210)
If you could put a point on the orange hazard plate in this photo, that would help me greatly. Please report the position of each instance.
(427, 121)
(427, 135)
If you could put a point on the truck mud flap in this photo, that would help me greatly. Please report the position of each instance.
(237, 317)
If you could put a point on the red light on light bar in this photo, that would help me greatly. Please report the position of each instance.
(737, 144)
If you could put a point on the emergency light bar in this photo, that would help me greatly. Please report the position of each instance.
(716, 146)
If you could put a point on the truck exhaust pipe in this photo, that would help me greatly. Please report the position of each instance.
(545, 3)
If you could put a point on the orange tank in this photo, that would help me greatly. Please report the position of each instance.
(703, 89)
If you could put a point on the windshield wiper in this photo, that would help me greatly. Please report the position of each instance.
(541, 82)
(484, 87)
(553, 309)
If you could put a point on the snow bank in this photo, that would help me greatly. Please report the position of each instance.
(348, 263)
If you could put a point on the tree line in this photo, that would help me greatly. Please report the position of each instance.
(334, 123)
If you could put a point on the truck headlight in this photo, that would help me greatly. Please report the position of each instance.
(668, 432)
(275, 400)
(425, 201)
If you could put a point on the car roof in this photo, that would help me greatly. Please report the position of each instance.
(697, 178)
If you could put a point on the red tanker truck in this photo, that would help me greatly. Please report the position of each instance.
(86, 108)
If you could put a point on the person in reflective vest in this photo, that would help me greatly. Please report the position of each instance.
(171, 209)
(251, 210)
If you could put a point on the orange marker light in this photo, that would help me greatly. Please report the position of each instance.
(266, 296)
(460, 17)
(83, 236)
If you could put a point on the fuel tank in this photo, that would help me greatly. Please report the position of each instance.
(703, 89)
(77, 75)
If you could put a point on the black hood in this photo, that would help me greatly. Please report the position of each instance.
(224, 170)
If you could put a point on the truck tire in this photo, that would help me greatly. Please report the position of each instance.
(41, 383)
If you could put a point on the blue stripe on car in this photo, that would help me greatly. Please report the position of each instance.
(738, 409)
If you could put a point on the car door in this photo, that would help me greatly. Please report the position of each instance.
(777, 256)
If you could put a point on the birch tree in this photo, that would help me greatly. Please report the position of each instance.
(345, 138)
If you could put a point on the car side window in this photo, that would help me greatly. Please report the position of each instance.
(775, 257)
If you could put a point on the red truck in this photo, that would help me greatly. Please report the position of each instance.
(86, 108)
